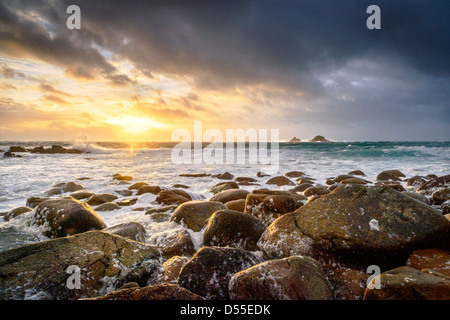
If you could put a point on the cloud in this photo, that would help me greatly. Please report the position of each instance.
(45, 87)
(54, 99)
(301, 65)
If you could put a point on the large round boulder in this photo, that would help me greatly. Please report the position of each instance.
(228, 228)
(193, 214)
(209, 271)
(293, 278)
(65, 216)
(229, 195)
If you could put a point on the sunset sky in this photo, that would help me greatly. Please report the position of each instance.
(138, 70)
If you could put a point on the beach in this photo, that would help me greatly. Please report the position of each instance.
(229, 231)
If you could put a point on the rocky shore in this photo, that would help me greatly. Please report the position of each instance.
(54, 149)
(309, 241)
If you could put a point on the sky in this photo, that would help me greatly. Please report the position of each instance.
(139, 70)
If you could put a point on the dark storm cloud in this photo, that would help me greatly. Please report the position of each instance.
(299, 46)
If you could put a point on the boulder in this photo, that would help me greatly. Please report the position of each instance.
(245, 179)
(98, 199)
(406, 283)
(177, 242)
(130, 230)
(391, 184)
(61, 217)
(120, 177)
(137, 185)
(53, 191)
(222, 186)
(432, 259)
(440, 196)
(149, 189)
(386, 175)
(225, 176)
(194, 214)
(417, 196)
(182, 186)
(349, 284)
(236, 205)
(72, 187)
(301, 187)
(16, 212)
(42, 269)
(17, 149)
(172, 268)
(342, 177)
(81, 194)
(228, 228)
(269, 207)
(124, 193)
(415, 181)
(172, 197)
(108, 206)
(315, 191)
(356, 173)
(161, 209)
(209, 271)
(164, 292)
(194, 175)
(280, 181)
(32, 202)
(435, 183)
(369, 223)
(354, 180)
(229, 195)
(294, 174)
(293, 278)
(127, 202)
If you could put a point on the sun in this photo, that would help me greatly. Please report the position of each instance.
(135, 125)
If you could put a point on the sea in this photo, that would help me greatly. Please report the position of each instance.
(153, 163)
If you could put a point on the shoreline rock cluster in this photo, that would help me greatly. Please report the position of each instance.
(311, 242)
(54, 149)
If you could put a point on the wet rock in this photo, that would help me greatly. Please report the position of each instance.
(406, 283)
(236, 205)
(435, 183)
(14, 213)
(124, 193)
(127, 202)
(130, 230)
(294, 174)
(137, 185)
(222, 186)
(225, 176)
(149, 189)
(305, 180)
(386, 175)
(280, 181)
(415, 181)
(173, 243)
(228, 228)
(18, 149)
(182, 186)
(194, 214)
(98, 199)
(66, 216)
(301, 187)
(293, 278)
(160, 217)
(262, 174)
(172, 268)
(434, 259)
(53, 191)
(315, 191)
(157, 292)
(445, 207)
(356, 173)
(120, 177)
(354, 181)
(417, 196)
(194, 175)
(342, 177)
(229, 195)
(32, 202)
(440, 196)
(391, 184)
(349, 284)
(172, 197)
(41, 267)
(164, 209)
(209, 271)
(9, 154)
(361, 222)
(81, 194)
(269, 207)
(108, 206)
(245, 179)
(72, 187)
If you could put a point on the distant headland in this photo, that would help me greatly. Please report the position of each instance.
(315, 139)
